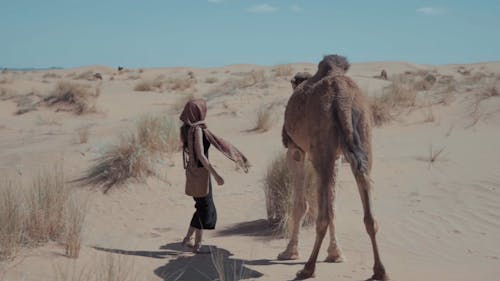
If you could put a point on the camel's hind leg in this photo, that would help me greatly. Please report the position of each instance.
(295, 163)
(334, 251)
(323, 158)
(365, 190)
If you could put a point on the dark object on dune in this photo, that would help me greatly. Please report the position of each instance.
(383, 74)
(120, 68)
(98, 76)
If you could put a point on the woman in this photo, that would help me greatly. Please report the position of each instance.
(196, 140)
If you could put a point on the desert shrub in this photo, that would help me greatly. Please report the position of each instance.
(117, 164)
(283, 70)
(11, 219)
(401, 93)
(279, 194)
(265, 119)
(380, 111)
(51, 75)
(73, 97)
(46, 201)
(7, 93)
(33, 215)
(87, 75)
(231, 85)
(252, 78)
(179, 84)
(74, 218)
(160, 84)
(211, 80)
(149, 85)
(136, 154)
(158, 133)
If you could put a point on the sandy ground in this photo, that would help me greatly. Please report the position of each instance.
(439, 221)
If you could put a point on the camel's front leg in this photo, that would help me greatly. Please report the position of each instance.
(295, 162)
(334, 251)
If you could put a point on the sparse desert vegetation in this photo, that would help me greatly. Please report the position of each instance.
(284, 70)
(160, 84)
(265, 119)
(73, 97)
(136, 154)
(33, 215)
(279, 196)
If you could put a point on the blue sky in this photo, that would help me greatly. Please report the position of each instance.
(204, 33)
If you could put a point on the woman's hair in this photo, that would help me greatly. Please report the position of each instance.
(184, 136)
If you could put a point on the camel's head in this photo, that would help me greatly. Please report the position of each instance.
(299, 77)
(333, 62)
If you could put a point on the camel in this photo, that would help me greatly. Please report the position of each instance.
(327, 116)
(298, 78)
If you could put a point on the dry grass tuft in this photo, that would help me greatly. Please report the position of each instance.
(87, 75)
(211, 80)
(265, 119)
(136, 154)
(279, 195)
(75, 213)
(284, 70)
(46, 202)
(160, 84)
(149, 86)
(158, 133)
(51, 75)
(33, 215)
(11, 219)
(73, 97)
(117, 164)
(380, 111)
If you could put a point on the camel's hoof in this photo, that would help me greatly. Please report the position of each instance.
(304, 274)
(379, 277)
(335, 259)
(286, 256)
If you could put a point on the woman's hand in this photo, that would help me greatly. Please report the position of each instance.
(219, 180)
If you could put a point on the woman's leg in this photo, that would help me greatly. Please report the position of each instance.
(187, 239)
(197, 240)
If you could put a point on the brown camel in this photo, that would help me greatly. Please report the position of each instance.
(327, 116)
(298, 78)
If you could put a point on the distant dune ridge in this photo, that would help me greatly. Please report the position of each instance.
(436, 173)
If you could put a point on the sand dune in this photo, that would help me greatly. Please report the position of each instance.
(440, 220)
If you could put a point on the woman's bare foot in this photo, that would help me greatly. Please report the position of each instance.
(197, 248)
(187, 242)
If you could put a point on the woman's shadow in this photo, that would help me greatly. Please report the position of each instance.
(212, 264)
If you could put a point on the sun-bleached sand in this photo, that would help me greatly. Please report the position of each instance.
(439, 220)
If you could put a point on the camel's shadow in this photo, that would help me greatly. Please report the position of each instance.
(212, 264)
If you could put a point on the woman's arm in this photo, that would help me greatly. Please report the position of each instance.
(198, 147)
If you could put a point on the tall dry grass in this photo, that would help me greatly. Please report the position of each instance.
(11, 219)
(137, 154)
(73, 97)
(283, 70)
(160, 84)
(265, 119)
(33, 215)
(74, 218)
(279, 195)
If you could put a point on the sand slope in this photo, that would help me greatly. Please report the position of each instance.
(439, 221)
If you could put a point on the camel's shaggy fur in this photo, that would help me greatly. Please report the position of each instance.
(327, 116)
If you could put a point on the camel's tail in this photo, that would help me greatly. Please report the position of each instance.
(351, 141)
